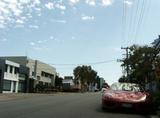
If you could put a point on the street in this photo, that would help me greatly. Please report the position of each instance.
(67, 105)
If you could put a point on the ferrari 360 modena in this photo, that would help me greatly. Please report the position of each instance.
(126, 95)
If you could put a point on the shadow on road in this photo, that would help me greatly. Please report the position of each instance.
(124, 111)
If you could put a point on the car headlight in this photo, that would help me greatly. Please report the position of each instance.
(143, 98)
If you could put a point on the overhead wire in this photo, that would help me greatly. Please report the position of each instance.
(131, 22)
(140, 20)
(134, 20)
(123, 23)
(75, 64)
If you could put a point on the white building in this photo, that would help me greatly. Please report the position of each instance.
(39, 72)
(11, 77)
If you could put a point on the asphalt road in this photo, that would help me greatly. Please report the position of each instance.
(72, 105)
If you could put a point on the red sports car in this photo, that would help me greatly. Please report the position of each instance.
(125, 95)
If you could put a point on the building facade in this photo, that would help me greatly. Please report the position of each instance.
(39, 72)
(11, 79)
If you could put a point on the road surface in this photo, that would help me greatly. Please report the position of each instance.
(70, 105)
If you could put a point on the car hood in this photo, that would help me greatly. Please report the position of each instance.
(125, 96)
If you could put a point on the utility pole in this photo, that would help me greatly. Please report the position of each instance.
(127, 56)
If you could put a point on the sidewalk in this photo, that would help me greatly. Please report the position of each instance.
(16, 96)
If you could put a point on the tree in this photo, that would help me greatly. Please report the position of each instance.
(58, 81)
(85, 74)
(141, 60)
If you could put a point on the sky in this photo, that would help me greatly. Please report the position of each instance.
(68, 33)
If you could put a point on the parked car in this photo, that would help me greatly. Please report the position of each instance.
(126, 95)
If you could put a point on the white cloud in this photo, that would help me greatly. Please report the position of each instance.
(16, 8)
(87, 17)
(34, 26)
(51, 37)
(19, 21)
(41, 41)
(38, 9)
(73, 2)
(107, 2)
(62, 12)
(13, 11)
(36, 2)
(4, 40)
(59, 21)
(49, 5)
(40, 48)
(58, 40)
(62, 7)
(72, 37)
(24, 1)
(129, 3)
(32, 43)
(19, 26)
(91, 2)
(11, 1)
(39, 14)
(2, 26)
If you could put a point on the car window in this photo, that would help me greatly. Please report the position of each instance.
(126, 87)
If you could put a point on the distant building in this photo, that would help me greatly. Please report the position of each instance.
(100, 83)
(67, 83)
(13, 77)
(39, 72)
(68, 80)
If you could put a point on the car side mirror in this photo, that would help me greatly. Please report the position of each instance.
(104, 89)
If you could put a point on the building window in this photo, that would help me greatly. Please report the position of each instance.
(16, 70)
(11, 69)
(40, 82)
(21, 86)
(32, 73)
(45, 74)
(6, 68)
(6, 85)
(46, 84)
(42, 73)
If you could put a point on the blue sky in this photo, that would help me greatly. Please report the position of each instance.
(77, 32)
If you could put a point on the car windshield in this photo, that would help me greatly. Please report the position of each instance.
(127, 87)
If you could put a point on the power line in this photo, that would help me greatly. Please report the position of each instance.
(134, 20)
(93, 63)
(75, 64)
(148, 9)
(123, 21)
(140, 20)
